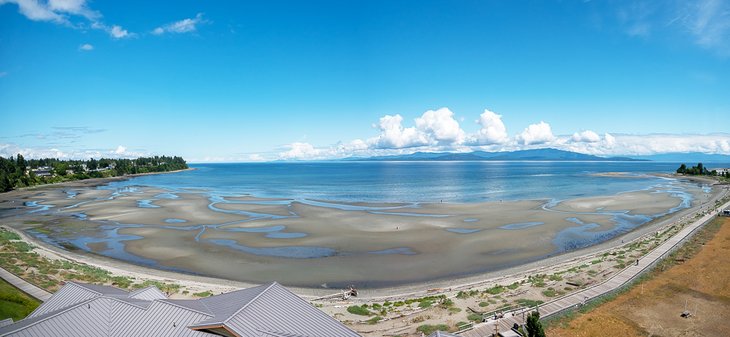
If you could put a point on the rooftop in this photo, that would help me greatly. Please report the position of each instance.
(81, 309)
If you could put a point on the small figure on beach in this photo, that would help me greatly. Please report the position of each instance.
(637, 262)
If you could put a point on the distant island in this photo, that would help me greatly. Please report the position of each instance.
(17, 172)
(547, 154)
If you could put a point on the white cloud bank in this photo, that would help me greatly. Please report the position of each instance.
(439, 130)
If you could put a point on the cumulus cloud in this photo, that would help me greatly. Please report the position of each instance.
(86, 47)
(120, 150)
(587, 136)
(539, 133)
(300, 150)
(394, 135)
(433, 127)
(182, 26)
(492, 129)
(440, 126)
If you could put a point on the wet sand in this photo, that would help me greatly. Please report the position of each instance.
(311, 243)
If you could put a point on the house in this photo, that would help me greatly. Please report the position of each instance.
(270, 310)
(720, 171)
(43, 171)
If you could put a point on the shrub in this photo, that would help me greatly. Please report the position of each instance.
(428, 329)
(358, 310)
(474, 317)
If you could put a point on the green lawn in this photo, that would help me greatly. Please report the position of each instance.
(14, 303)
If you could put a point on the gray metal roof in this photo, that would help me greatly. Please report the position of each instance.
(149, 294)
(5, 322)
(276, 311)
(72, 293)
(442, 334)
(82, 310)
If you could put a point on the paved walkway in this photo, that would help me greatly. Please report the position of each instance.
(26, 287)
(576, 299)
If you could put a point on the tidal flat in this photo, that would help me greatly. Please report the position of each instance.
(316, 243)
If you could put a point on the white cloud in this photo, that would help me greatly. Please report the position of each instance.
(70, 13)
(300, 150)
(120, 150)
(76, 7)
(440, 126)
(182, 26)
(36, 10)
(433, 127)
(492, 129)
(539, 133)
(709, 22)
(586, 136)
(704, 22)
(10, 149)
(394, 135)
(118, 32)
(86, 47)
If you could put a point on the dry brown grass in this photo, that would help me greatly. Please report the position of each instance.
(653, 307)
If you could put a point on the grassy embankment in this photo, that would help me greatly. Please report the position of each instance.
(19, 258)
(693, 278)
(14, 303)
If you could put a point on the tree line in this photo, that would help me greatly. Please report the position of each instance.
(700, 170)
(17, 172)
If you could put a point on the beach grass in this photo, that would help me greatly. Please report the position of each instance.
(14, 303)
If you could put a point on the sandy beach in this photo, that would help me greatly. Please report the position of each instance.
(318, 244)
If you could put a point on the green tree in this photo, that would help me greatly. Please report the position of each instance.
(533, 326)
(682, 168)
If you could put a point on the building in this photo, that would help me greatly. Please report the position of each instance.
(720, 171)
(43, 171)
(269, 310)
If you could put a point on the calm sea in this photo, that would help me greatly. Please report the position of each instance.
(411, 181)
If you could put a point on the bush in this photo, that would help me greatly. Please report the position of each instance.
(496, 290)
(203, 294)
(358, 310)
(474, 317)
(428, 329)
(6, 235)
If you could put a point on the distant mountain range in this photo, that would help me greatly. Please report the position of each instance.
(522, 155)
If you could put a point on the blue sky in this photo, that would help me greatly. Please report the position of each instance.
(241, 81)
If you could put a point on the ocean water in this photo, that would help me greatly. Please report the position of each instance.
(410, 181)
(394, 189)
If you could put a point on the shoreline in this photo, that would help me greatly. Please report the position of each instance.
(92, 182)
(388, 292)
